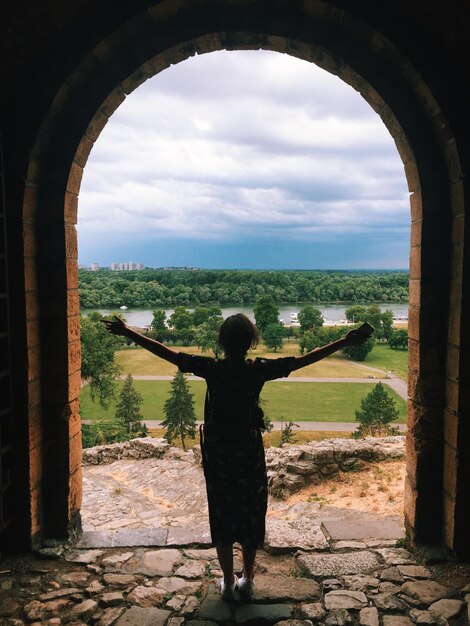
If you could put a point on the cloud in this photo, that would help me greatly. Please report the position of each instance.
(243, 146)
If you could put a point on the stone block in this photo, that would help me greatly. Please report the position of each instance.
(71, 269)
(160, 562)
(345, 599)
(83, 151)
(83, 556)
(30, 274)
(446, 608)
(425, 591)
(313, 611)
(362, 561)
(137, 616)
(261, 613)
(71, 247)
(84, 610)
(191, 569)
(451, 459)
(99, 121)
(369, 616)
(75, 178)
(32, 305)
(75, 492)
(396, 620)
(146, 596)
(411, 171)
(30, 200)
(187, 535)
(300, 534)
(363, 527)
(73, 302)
(70, 208)
(396, 556)
(389, 602)
(109, 616)
(214, 608)
(285, 589)
(29, 239)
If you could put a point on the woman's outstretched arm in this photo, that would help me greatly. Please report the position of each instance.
(353, 338)
(118, 327)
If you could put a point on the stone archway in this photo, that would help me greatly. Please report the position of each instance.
(317, 31)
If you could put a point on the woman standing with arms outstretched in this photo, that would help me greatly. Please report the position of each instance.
(231, 441)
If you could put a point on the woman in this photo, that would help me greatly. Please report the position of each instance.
(231, 442)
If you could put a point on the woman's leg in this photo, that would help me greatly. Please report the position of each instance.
(225, 556)
(249, 556)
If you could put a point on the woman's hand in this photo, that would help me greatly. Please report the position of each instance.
(353, 338)
(116, 326)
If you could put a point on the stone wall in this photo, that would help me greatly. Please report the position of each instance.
(289, 468)
(292, 467)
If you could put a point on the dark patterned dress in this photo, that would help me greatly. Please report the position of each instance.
(235, 471)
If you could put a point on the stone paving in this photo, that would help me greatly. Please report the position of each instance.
(370, 583)
(145, 559)
(147, 484)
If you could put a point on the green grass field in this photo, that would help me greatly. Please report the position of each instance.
(316, 402)
(384, 358)
(139, 362)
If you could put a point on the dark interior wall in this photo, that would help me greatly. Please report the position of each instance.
(42, 44)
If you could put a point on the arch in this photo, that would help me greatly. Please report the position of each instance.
(315, 30)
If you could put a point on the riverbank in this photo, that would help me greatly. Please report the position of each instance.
(333, 313)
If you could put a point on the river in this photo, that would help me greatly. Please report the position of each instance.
(331, 312)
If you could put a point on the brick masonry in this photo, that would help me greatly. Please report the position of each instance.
(61, 111)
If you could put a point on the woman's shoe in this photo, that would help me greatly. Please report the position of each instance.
(246, 588)
(227, 592)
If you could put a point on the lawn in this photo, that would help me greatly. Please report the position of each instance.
(316, 402)
(384, 358)
(139, 362)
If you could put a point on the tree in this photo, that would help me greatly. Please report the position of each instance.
(202, 314)
(181, 318)
(310, 317)
(312, 339)
(386, 324)
(398, 340)
(128, 407)
(273, 336)
(356, 313)
(98, 367)
(287, 433)
(377, 411)
(359, 353)
(308, 341)
(180, 420)
(207, 333)
(158, 325)
(266, 312)
(382, 321)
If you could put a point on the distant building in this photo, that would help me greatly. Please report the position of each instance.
(130, 265)
(95, 267)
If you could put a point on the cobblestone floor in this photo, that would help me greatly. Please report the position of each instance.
(352, 583)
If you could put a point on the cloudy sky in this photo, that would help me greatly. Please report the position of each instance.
(245, 160)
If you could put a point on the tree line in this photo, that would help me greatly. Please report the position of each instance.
(168, 288)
